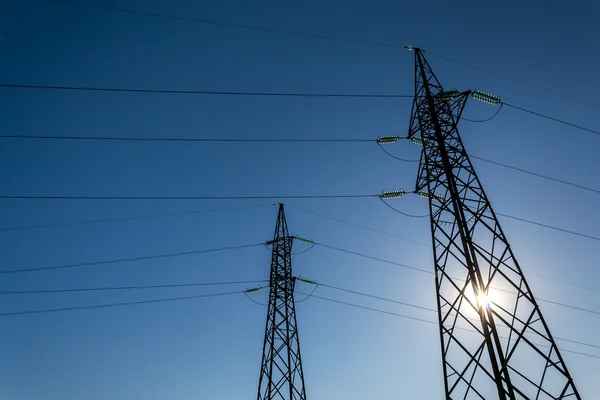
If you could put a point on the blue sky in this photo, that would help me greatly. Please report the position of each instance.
(211, 348)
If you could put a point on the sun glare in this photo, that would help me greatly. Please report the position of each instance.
(483, 300)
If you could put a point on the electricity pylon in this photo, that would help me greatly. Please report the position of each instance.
(495, 342)
(281, 376)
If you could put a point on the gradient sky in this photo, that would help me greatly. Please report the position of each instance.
(211, 348)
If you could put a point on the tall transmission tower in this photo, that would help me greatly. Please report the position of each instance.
(281, 376)
(495, 342)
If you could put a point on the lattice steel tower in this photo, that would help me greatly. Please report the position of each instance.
(495, 341)
(281, 376)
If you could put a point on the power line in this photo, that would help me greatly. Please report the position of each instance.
(489, 72)
(372, 257)
(377, 297)
(397, 158)
(571, 232)
(120, 260)
(116, 288)
(308, 35)
(120, 304)
(486, 119)
(231, 25)
(207, 92)
(357, 225)
(435, 311)
(181, 139)
(432, 322)
(324, 196)
(535, 174)
(402, 212)
(96, 221)
(561, 121)
(344, 196)
(355, 253)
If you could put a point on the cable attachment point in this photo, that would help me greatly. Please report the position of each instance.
(307, 281)
(486, 97)
(431, 196)
(304, 240)
(388, 139)
(446, 95)
(273, 241)
(417, 140)
(394, 194)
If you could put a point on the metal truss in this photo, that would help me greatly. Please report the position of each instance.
(281, 376)
(495, 342)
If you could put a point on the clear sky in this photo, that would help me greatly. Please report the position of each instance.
(211, 348)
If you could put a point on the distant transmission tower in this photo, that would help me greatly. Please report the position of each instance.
(281, 376)
(495, 342)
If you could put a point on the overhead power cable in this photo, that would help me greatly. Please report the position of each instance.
(97, 221)
(302, 34)
(427, 271)
(323, 196)
(507, 78)
(560, 121)
(432, 309)
(535, 174)
(231, 25)
(372, 257)
(428, 321)
(119, 304)
(356, 225)
(571, 232)
(184, 139)
(486, 119)
(327, 196)
(208, 92)
(130, 259)
(117, 288)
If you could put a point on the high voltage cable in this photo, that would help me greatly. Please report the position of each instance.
(130, 259)
(231, 25)
(120, 304)
(96, 221)
(561, 121)
(550, 227)
(207, 92)
(378, 298)
(324, 196)
(426, 320)
(486, 119)
(182, 139)
(489, 72)
(431, 309)
(535, 174)
(161, 300)
(355, 253)
(308, 35)
(356, 225)
(266, 140)
(116, 288)
(328, 196)
(372, 257)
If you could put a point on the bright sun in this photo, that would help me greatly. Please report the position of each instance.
(483, 300)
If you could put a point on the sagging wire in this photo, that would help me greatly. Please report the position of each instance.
(304, 251)
(487, 119)
(308, 296)
(393, 156)
(401, 212)
(256, 289)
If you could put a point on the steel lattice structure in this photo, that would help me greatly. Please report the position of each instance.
(495, 342)
(281, 376)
